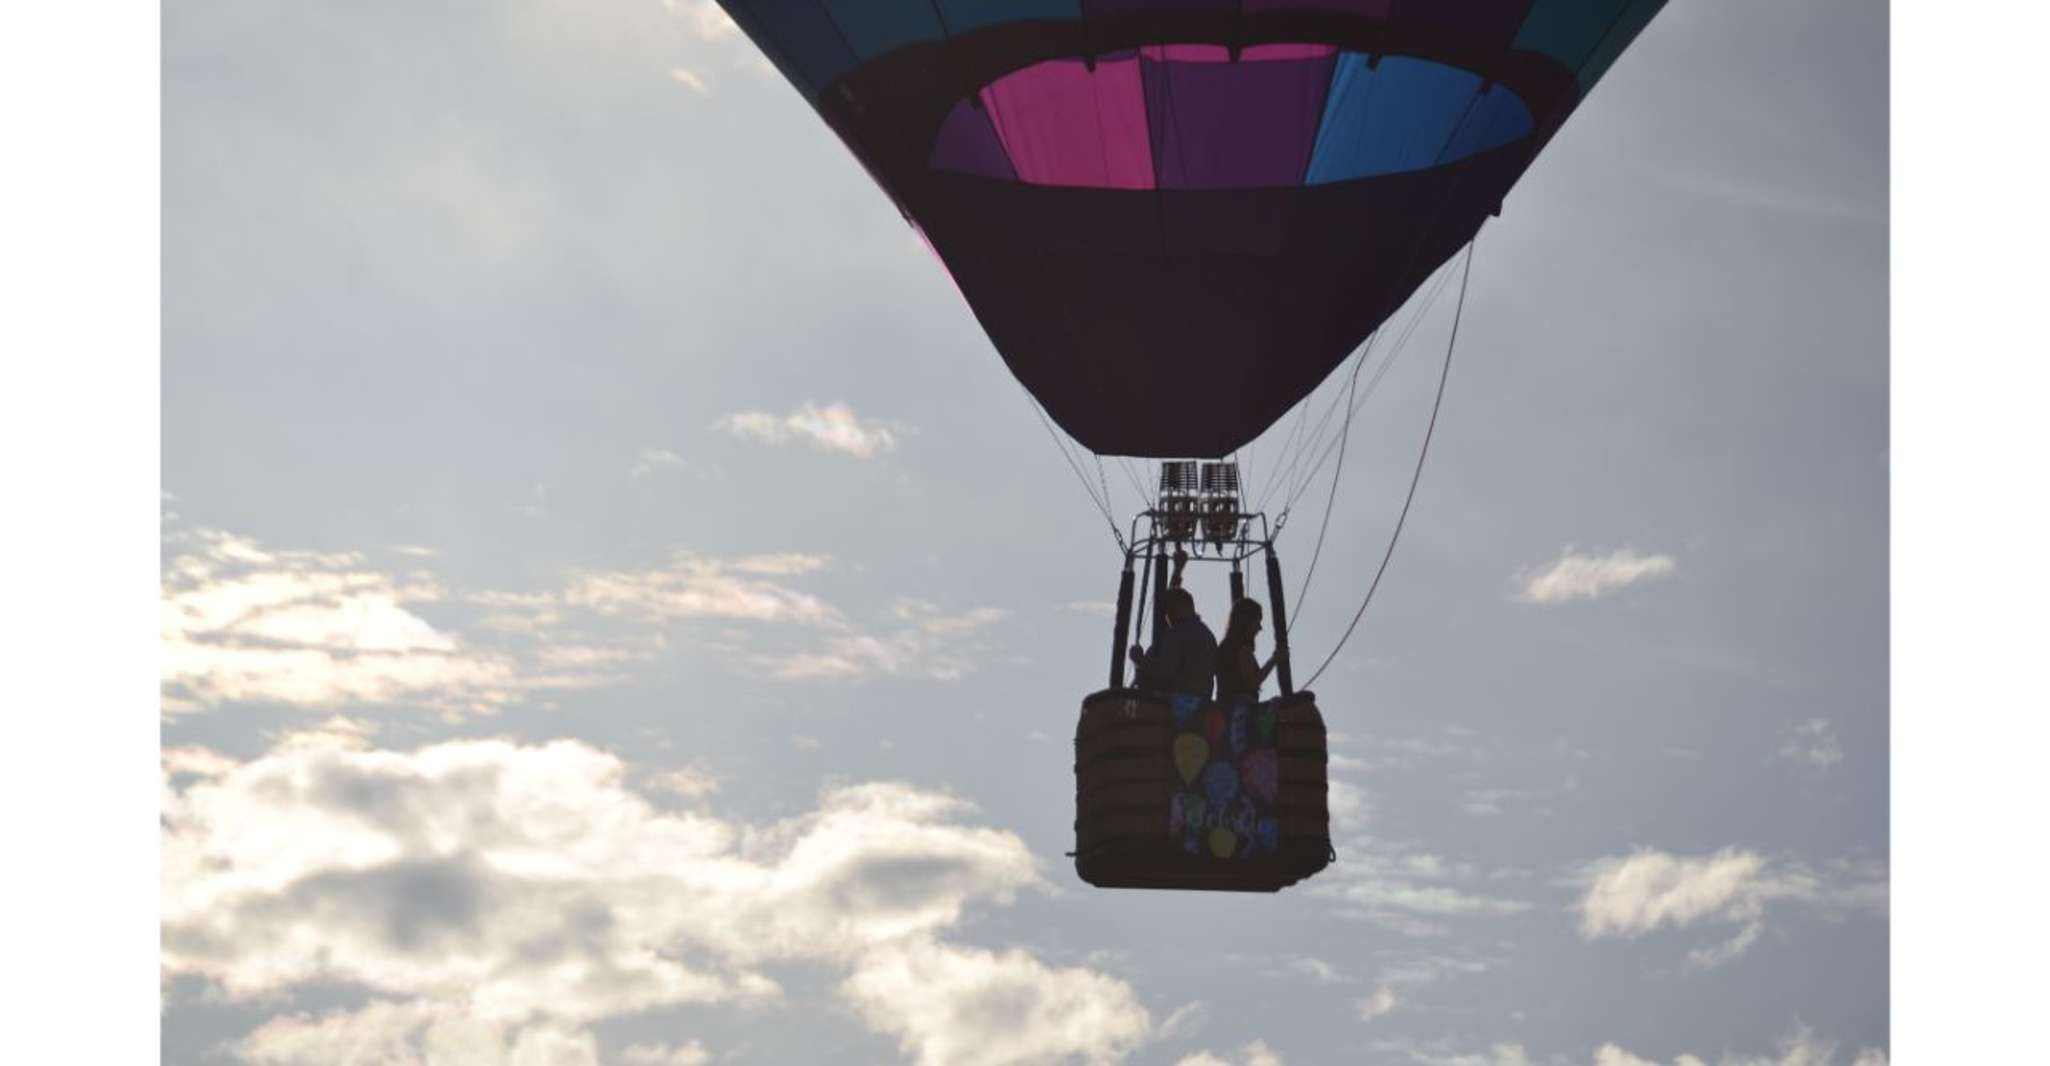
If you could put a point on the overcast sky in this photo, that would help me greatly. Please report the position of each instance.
(618, 609)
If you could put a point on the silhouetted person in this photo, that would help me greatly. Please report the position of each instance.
(1239, 671)
(1184, 653)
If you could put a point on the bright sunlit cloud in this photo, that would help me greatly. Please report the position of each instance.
(244, 623)
(1631, 896)
(1801, 1048)
(832, 428)
(1579, 576)
(489, 894)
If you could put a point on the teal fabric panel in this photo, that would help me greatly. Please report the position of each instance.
(1568, 30)
(1626, 29)
(804, 37)
(878, 27)
(965, 15)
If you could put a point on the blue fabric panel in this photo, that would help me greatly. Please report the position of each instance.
(1404, 115)
(802, 33)
(1497, 118)
(1568, 30)
(876, 27)
(965, 15)
(1625, 30)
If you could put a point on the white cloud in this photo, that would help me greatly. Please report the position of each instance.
(1256, 1053)
(694, 586)
(833, 428)
(655, 460)
(914, 639)
(1408, 892)
(411, 1034)
(1317, 970)
(926, 642)
(1497, 1055)
(690, 1053)
(688, 782)
(245, 623)
(1814, 743)
(1802, 1048)
(525, 892)
(953, 1006)
(1380, 1002)
(1576, 576)
(705, 18)
(1633, 895)
(240, 622)
(685, 77)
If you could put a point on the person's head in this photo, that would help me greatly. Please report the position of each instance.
(1244, 624)
(1178, 605)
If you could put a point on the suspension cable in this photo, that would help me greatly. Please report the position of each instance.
(1330, 501)
(1102, 507)
(1416, 476)
(1394, 353)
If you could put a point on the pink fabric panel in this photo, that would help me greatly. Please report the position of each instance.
(1063, 124)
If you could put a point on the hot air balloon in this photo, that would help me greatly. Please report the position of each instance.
(1174, 219)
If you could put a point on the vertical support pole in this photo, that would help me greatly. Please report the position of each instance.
(1124, 623)
(1159, 590)
(1238, 587)
(1279, 610)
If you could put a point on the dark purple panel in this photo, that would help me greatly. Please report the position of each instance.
(1367, 8)
(1115, 7)
(968, 144)
(1224, 125)
(1139, 347)
(1492, 21)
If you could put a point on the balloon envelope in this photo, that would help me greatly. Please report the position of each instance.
(1175, 217)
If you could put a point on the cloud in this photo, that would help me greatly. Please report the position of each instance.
(655, 460)
(912, 638)
(1633, 895)
(1482, 802)
(524, 892)
(1802, 1048)
(384, 1033)
(833, 428)
(926, 642)
(705, 18)
(1574, 576)
(690, 1053)
(953, 1006)
(1409, 892)
(693, 586)
(243, 623)
(1256, 1053)
(1814, 743)
(1380, 1002)
(1498, 1055)
(684, 77)
(1317, 970)
(688, 782)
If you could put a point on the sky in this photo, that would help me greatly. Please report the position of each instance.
(617, 609)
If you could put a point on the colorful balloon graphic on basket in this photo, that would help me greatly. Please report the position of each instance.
(1225, 758)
